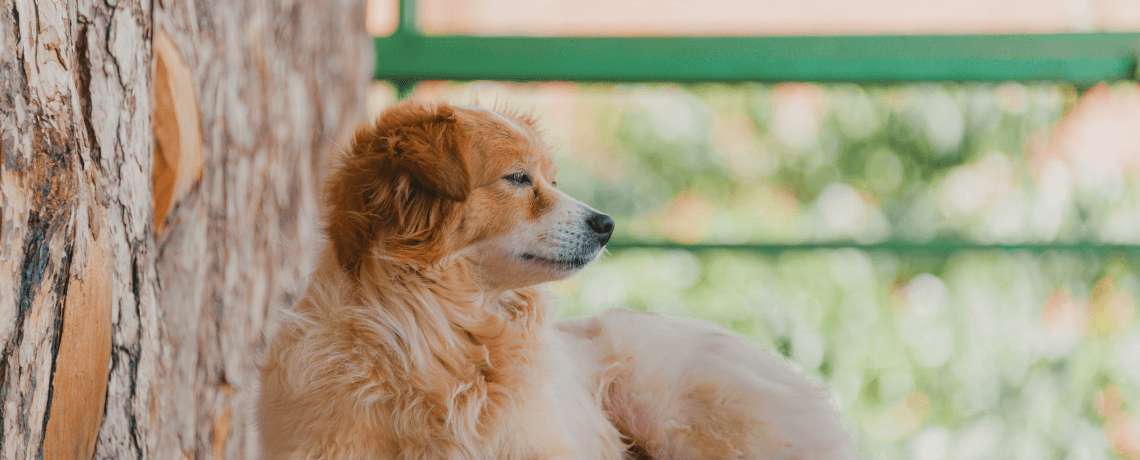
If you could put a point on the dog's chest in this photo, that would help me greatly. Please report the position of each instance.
(567, 408)
(554, 413)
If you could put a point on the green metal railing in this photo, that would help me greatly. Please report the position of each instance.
(1082, 59)
(935, 247)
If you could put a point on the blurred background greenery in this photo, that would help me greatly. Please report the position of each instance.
(932, 352)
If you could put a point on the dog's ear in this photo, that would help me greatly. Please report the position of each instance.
(398, 181)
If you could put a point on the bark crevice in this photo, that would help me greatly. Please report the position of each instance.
(83, 68)
(63, 278)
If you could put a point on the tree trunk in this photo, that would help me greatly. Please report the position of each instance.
(136, 276)
(277, 82)
(78, 318)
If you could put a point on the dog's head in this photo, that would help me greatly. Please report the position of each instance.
(427, 184)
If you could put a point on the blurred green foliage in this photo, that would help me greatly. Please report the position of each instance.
(981, 354)
(984, 354)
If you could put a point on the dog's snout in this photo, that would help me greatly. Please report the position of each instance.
(603, 225)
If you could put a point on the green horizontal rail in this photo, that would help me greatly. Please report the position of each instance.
(934, 247)
(1082, 59)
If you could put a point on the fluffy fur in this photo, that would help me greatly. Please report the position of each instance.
(422, 335)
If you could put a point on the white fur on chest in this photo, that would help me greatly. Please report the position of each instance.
(564, 419)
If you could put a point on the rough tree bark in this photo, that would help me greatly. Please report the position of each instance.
(276, 81)
(123, 337)
(78, 321)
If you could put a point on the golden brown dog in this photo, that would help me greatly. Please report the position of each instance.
(423, 336)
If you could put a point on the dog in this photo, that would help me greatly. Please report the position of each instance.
(423, 334)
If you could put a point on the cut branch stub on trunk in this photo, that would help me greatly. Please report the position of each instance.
(177, 129)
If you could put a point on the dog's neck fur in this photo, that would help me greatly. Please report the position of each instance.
(451, 333)
(450, 293)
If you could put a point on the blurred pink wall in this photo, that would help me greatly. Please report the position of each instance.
(761, 17)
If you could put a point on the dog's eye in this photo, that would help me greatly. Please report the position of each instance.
(518, 178)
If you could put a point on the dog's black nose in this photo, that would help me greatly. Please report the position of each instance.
(603, 225)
